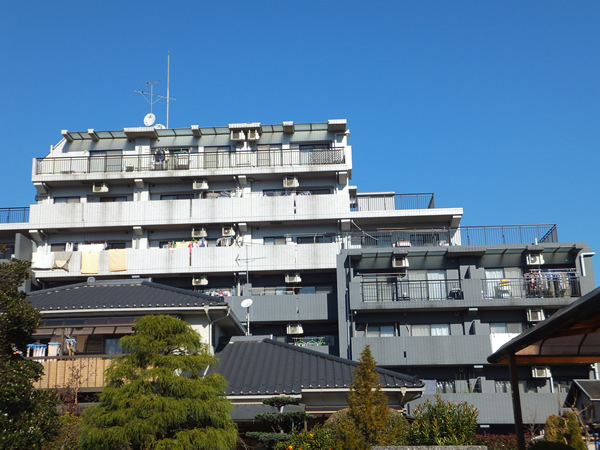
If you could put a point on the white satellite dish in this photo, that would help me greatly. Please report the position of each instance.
(149, 119)
(159, 126)
(247, 303)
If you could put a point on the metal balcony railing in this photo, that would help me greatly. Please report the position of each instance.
(388, 289)
(188, 161)
(392, 202)
(14, 215)
(550, 285)
(477, 235)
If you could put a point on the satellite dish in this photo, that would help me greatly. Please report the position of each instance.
(159, 126)
(149, 119)
(247, 303)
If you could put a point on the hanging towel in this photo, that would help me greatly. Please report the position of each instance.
(117, 260)
(42, 260)
(89, 262)
(53, 349)
(61, 260)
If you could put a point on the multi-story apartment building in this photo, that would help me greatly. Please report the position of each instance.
(267, 212)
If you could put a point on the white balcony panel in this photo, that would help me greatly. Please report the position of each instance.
(156, 261)
(161, 212)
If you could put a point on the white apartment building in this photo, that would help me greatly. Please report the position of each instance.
(268, 212)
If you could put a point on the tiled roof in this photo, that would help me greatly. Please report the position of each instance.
(263, 366)
(117, 294)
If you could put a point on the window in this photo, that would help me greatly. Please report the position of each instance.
(442, 329)
(67, 200)
(121, 198)
(375, 330)
(274, 240)
(113, 245)
(112, 347)
(176, 196)
(217, 157)
(502, 387)
(445, 387)
(507, 327)
(316, 239)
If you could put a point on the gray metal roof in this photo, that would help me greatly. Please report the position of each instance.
(591, 388)
(263, 366)
(117, 294)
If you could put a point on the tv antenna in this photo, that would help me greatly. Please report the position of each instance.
(247, 303)
(152, 98)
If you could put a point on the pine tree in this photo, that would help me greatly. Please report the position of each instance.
(158, 396)
(367, 420)
(28, 418)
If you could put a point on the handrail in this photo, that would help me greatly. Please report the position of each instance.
(14, 215)
(187, 161)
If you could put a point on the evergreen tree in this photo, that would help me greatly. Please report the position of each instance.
(367, 420)
(443, 423)
(28, 418)
(158, 396)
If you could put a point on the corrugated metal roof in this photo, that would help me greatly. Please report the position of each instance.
(263, 366)
(117, 294)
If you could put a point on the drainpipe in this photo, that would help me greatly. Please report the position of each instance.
(581, 256)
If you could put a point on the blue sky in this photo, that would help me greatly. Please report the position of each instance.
(493, 106)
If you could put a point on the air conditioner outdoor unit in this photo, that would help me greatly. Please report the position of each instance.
(399, 261)
(202, 280)
(227, 231)
(540, 372)
(535, 315)
(199, 232)
(293, 278)
(253, 135)
(99, 187)
(295, 329)
(535, 259)
(238, 135)
(200, 185)
(290, 182)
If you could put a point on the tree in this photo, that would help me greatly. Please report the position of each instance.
(28, 417)
(281, 422)
(443, 423)
(564, 429)
(158, 396)
(368, 420)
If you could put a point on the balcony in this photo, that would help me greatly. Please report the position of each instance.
(279, 308)
(14, 215)
(424, 350)
(392, 289)
(189, 211)
(289, 257)
(82, 372)
(540, 285)
(102, 165)
(388, 201)
(475, 235)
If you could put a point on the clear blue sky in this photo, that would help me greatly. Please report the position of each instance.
(492, 105)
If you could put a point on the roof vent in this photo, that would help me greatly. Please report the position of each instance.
(91, 280)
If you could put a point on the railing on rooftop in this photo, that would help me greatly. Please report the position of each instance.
(14, 215)
(542, 285)
(188, 161)
(478, 235)
(392, 202)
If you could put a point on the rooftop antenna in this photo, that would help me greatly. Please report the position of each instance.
(152, 98)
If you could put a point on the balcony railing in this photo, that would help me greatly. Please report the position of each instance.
(551, 285)
(83, 372)
(392, 289)
(188, 161)
(393, 202)
(14, 215)
(477, 235)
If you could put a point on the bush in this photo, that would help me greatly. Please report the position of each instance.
(499, 441)
(549, 445)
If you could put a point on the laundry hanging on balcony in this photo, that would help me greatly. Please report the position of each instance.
(89, 262)
(42, 259)
(61, 260)
(117, 260)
